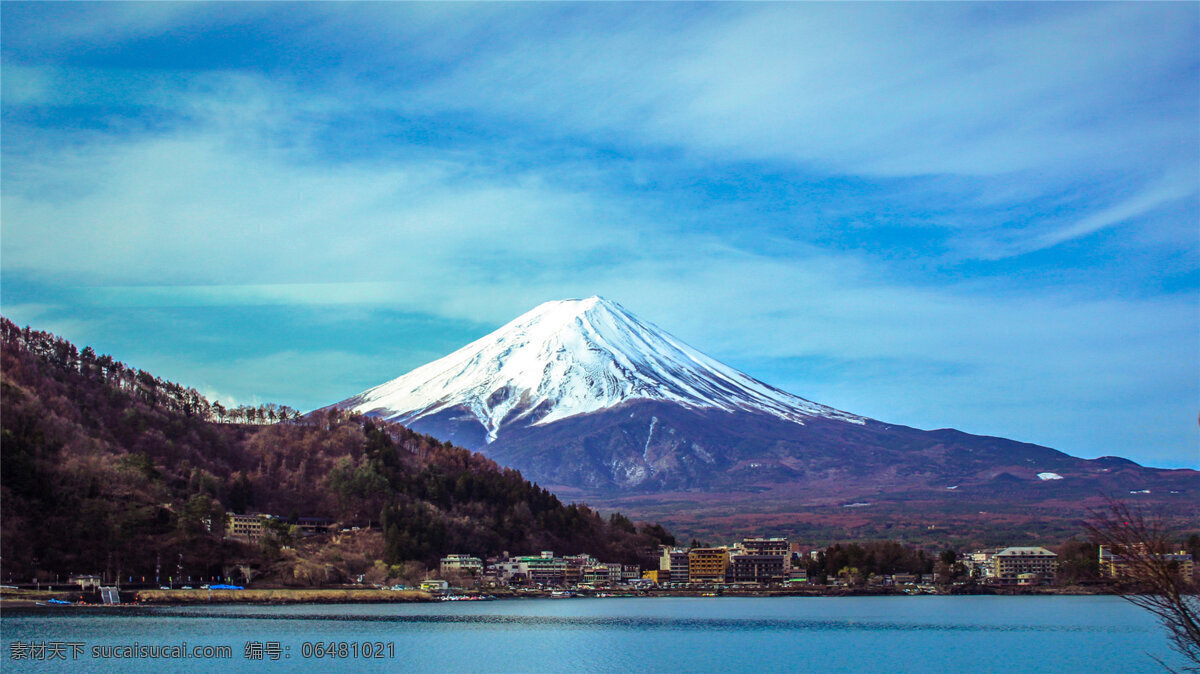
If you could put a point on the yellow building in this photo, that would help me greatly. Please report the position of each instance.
(707, 565)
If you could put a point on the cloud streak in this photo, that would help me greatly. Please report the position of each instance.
(935, 89)
(1147, 201)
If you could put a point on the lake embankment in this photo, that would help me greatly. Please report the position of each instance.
(187, 597)
(15, 599)
(282, 596)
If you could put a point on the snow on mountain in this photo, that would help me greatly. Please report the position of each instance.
(571, 357)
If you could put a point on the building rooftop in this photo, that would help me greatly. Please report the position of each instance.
(1025, 552)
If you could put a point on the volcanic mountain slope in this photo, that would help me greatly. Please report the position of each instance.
(584, 397)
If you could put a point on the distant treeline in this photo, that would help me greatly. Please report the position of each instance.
(152, 390)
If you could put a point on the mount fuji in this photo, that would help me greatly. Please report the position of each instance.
(591, 401)
(568, 358)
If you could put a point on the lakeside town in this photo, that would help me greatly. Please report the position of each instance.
(753, 562)
(752, 565)
(765, 563)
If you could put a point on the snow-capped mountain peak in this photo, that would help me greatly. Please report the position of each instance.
(571, 357)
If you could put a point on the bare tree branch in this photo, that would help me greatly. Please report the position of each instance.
(1149, 574)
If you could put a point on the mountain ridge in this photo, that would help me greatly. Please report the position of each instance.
(738, 446)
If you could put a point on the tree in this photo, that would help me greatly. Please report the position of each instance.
(619, 521)
(358, 488)
(1078, 562)
(1148, 576)
(658, 533)
(948, 569)
(241, 493)
(852, 576)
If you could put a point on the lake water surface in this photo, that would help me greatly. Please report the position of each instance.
(877, 634)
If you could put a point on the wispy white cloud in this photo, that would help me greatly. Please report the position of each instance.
(1027, 102)
(883, 89)
(1146, 201)
(228, 207)
(93, 25)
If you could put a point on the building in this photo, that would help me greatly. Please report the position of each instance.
(1114, 565)
(1008, 565)
(86, 582)
(435, 585)
(547, 570)
(615, 573)
(507, 572)
(251, 527)
(707, 565)
(673, 566)
(797, 576)
(311, 526)
(461, 565)
(599, 574)
(544, 569)
(767, 546)
(575, 564)
(757, 568)
(979, 563)
(245, 527)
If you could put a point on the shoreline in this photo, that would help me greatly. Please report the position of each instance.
(264, 596)
(289, 596)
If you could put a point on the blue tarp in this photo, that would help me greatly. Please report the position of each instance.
(226, 587)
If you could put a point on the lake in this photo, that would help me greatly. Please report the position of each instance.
(892, 634)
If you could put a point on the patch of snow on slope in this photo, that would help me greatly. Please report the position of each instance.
(649, 434)
(1049, 476)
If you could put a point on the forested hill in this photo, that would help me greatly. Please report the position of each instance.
(108, 468)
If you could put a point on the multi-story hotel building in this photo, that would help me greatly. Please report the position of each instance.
(673, 566)
(1010, 564)
(245, 527)
(707, 565)
(461, 564)
(767, 546)
(751, 568)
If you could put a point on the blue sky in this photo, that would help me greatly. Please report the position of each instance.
(980, 216)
